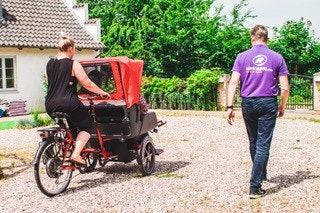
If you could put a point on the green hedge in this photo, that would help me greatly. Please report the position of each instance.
(197, 92)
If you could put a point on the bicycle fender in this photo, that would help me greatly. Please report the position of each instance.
(39, 151)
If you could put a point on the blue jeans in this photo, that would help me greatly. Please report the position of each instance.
(259, 116)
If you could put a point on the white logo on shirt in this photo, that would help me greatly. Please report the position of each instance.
(260, 60)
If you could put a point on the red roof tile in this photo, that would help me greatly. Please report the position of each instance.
(38, 23)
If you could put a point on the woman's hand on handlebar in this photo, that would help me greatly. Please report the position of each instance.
(105, 95)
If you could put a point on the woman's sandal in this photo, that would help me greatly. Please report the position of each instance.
(78, 160)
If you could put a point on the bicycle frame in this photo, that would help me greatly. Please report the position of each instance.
(66, 143)
(103, 152)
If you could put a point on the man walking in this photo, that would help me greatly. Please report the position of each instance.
(259, 70)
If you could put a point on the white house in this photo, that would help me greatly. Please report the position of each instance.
(29, 33)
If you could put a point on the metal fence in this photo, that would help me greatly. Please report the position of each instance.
(301, 93)
(181, 101)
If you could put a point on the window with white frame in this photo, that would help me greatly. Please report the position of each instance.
(7, 73)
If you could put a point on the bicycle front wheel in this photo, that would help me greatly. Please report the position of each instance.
(49, 174)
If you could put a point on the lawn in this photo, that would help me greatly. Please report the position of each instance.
(8, 125)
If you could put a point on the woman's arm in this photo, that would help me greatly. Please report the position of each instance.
(85, 81)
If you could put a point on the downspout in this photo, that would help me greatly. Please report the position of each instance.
(1, 13)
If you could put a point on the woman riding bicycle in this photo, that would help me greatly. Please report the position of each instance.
(63, 73)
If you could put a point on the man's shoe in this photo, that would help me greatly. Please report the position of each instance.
(256, 194)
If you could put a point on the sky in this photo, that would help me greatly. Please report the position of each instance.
(274, 13)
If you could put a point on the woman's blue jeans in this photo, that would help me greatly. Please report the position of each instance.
(259, 116)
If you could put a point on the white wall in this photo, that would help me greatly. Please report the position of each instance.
(94, 29)
(70, 3)
(82, 13)
(30, 68)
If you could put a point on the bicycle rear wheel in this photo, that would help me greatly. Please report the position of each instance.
(49, 174)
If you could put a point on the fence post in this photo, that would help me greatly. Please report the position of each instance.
(222, 91)
(316, 94)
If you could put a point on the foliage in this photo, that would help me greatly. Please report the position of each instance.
(174, 38)
(299, 86)
(224, 38)
(35, 122)
(41, 120)
(202, 85)
(296, 42)
(161, 86)
(44, 83)
(178, 37)
(196, 92)
(26, 124)
(202, 82)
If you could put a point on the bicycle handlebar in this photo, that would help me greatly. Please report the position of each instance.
(94, 96)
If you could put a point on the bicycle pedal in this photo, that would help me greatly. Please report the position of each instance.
(114, 157)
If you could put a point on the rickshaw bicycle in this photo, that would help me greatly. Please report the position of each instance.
(120, 131)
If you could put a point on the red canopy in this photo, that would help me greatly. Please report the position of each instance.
(127, 74)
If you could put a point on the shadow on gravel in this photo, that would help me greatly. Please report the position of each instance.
(285, 181)
(12, 172)
(120, 172)
(12, 165)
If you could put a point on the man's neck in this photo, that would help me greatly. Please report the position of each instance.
(259, 42)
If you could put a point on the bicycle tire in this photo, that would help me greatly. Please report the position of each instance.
(49, 176)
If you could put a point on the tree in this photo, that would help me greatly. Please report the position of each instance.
(177, 42)
(161, 32)
(224, 37)
(298, 45)
(173, 37)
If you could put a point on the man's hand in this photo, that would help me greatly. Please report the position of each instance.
(230, 116)
(281, 110)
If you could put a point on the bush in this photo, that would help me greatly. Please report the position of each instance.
(196, 92)
(41, 121)
(203, 82)
(36, 122)
(26, 124)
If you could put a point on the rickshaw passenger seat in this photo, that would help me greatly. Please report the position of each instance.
(109, 114)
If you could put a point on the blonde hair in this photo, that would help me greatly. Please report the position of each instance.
(65, 42)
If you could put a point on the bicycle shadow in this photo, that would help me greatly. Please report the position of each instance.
(13, 165)
(285, 181)
(120, 172)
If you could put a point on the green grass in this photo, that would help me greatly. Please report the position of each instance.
(170, 175)
(8, 125)
(296, 148)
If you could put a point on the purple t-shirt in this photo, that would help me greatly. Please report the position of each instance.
(259, 68)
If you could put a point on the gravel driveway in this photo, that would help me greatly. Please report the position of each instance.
(205, 168)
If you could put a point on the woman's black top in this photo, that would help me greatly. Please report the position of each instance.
(62, 91)
(62, 94)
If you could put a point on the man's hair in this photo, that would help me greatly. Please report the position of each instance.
(259, 32)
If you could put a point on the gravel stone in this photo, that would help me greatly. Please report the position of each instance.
(205, 167)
